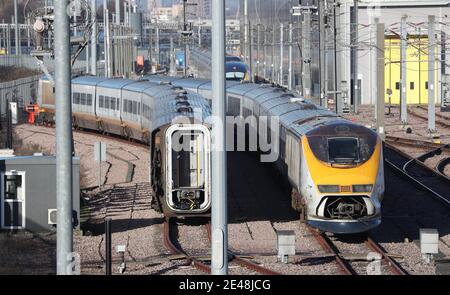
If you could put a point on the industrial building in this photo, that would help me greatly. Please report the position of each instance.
(281, 47)
(28, 196)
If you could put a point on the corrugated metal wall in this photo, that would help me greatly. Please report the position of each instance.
(22, 91)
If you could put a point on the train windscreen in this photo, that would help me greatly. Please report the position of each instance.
(343, 150)
(342, 143)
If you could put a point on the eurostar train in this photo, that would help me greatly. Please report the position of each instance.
(160, 115)
(335, 167)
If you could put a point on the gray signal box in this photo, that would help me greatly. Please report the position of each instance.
(28, 193)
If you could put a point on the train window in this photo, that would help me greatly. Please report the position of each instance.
(129, 106)
(134, 107)
(76, 98)
(106, 102)
(139, 108)
(101, 101)
(146, 111)
(118, 104)
(411, 85)
(397, 85)
(113, 103)
(83, 98)
(89, 99)
(124, 107)
(343, 150)
(426, 85)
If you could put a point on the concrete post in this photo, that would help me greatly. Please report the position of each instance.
(219, 253)
(64, 245)
(431, 74)
(338, 59)
(403, 64)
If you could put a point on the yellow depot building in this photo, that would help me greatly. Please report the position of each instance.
(417, 74)
(416, 69)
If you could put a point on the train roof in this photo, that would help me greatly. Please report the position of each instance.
(159, 79)
(88, 80)
(169, 110)
(139, 85)
(191, 82)
(242, 88)
(115, 83)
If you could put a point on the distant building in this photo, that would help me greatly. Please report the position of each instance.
(204, 8)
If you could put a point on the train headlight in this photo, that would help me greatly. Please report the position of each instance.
(362, 188)
(328, 188)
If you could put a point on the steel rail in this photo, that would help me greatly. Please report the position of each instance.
(439, 122)
(440, 167)
(244, 262)
(437, 195)
(413, 142)
(329, 248)
(175, 250)
(391, 263)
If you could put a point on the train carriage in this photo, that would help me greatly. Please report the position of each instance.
(84, 93)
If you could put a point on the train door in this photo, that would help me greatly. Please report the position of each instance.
(12, 200)
(188, 167)
(293, 157)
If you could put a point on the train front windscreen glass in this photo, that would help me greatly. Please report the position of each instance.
(343, 150)
(235, 75)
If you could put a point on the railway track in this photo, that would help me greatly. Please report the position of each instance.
(344, 264)
(413, 142)
(203, 266)
(416, 171)
(440, 119)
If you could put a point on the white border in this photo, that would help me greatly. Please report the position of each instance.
(2, 193)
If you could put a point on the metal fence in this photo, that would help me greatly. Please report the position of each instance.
(21, 91)
(30, 62)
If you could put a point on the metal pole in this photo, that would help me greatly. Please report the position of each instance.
(280, 77)
(184, 37)
(246, 34)
(117, 12)
(258, 49)
(355, 58)
(108, 246)
(28, 32)
(250, 53)
(219, 251)
(380, 79)
(172, 58)
(338, 60)
(265, 54)
(322, 61)
(290, 58)
(94, 38)
(8, 38)
(431, 74)
(373, 63)
(272, 65)
(403, 63)
(306, 53)
(63, 112)
(16, 25)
